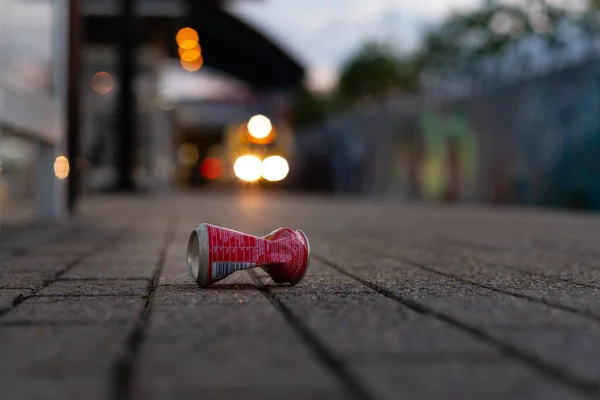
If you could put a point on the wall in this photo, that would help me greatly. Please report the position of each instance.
(30, 113)
(535, 142)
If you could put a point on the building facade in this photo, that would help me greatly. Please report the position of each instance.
(32, 54)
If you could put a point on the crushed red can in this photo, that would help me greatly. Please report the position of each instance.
(214, 252)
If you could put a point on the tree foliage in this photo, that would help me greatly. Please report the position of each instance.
(501, 41)
(508, 39)
(307, 109)
(374, 73)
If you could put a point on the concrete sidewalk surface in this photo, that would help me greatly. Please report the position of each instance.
(399, 302)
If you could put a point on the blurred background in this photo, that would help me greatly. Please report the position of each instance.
(439, 100)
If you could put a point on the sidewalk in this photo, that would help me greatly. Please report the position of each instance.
(399, 302)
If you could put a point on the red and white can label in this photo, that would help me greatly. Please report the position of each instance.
(231, 251)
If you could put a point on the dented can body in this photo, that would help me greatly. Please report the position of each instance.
(215, 252)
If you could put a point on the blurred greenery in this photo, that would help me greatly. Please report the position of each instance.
(508, 40)
(307, 109)
(499, 42)
(374, 73)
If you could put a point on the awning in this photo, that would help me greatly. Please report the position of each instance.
(228, 44)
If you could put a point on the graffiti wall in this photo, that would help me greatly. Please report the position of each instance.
(535, 142)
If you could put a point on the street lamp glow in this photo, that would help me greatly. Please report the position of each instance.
(187, 38)
(275, 168)
(192, 66)
(259, 126)
(61, 167)
(190, 55)
(248, 168)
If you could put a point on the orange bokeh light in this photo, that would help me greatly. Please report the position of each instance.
(61, 167)
(211, 168)
(190, 55)
(103, 82)
(188, 44)
(186, 36)
(193, 65)
(246, 137)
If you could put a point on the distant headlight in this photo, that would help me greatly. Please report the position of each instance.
(247, 168)
(275, 168)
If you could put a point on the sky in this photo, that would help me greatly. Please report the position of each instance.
(323, 34)
(320, 34)
(25, 42)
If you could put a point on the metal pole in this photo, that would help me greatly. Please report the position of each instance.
(73, 96)
(126, 109)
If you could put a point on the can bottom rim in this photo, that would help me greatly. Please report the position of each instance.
(193, 255)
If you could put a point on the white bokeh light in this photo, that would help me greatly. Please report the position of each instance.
(248, 168)
(275, 168)
(259, 126)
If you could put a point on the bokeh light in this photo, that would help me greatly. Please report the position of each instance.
(190, 55)
(275, 168)
(187, 38)
(194, 65)
(248, 168)
(211, 168)
(188, 154)
(61, 167)
(259, 126)
(103, 82)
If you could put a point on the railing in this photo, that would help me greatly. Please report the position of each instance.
(29, 116)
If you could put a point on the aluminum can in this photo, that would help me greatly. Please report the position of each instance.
(214, 252)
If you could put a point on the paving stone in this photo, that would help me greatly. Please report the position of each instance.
(317, 284)
(162, 387)
(95, 288)
(36, 263)
(232, 341)
(59, 388)
(317, 268)
(495, 308)
(193, 296)
(30, 280)
(405, 280)
(217, 321)
(575, 350)
(379, 325)
(59, 351)
(175, 273)
(548, 289)
(121, 256)
(68, 247)
(459, 380)
(501, 311)
(76, 309)
(552, 263)
(220, 348)
(8, 296)
(481, 308)
(111, 270)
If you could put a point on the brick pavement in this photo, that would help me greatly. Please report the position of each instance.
(400, 301)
